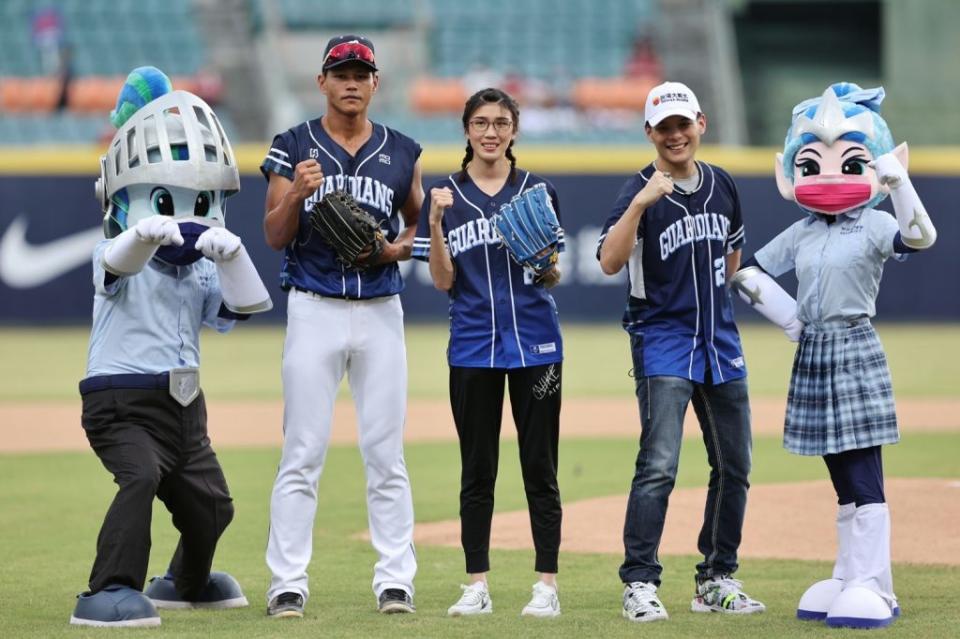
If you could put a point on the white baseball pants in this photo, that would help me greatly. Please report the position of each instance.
(327, 337)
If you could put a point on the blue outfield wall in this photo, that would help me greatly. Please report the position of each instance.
(49, 223)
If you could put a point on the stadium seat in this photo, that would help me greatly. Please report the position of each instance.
(437, 95)
(612, 93)
(94, 94)
(29, 95)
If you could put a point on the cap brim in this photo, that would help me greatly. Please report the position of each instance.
(660, 117)
(340, 63)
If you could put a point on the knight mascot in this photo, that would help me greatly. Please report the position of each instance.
(837, 164)
(167, 267)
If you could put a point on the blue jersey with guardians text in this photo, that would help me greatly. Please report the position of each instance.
(499, 318)
(678, 299)
(379, 178)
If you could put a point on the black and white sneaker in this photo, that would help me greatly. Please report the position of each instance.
(641, 604)
(286, 604)
(394, 600)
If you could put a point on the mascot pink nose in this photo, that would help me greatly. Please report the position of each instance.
(832, 198)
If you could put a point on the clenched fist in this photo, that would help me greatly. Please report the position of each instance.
(889, 170)
(307, 178)
(160, 230)
(219, 244)
(440, 200)
(659, 185)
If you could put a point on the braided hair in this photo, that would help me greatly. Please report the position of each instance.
(477, 100)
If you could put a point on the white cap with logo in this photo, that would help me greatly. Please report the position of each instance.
(670, 98)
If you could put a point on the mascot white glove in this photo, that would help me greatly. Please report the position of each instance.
(916, 229)
(240, 284)
(890, 172)
(762, 292)
(130, 251)
(219, 244)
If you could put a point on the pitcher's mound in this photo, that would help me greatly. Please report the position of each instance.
(788, 521)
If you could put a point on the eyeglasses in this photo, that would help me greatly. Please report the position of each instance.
(500, 125)
(350, 51)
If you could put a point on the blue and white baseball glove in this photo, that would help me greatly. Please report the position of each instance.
(529, 228)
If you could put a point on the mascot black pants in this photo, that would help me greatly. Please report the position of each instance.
(155, 447)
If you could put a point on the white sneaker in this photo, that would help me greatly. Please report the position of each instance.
(641, 604)
(474, 601)
(544, 603)
(724, 594)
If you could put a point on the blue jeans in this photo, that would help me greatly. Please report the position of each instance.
(723, 411)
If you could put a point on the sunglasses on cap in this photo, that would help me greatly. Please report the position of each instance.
(349, 51)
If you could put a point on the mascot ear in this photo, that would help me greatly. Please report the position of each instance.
(783, 183)
(903, 155)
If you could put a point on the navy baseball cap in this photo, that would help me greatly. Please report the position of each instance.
(348, 48)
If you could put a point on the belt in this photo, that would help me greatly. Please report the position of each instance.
(344, 298)
(144, 381)
(307, 291)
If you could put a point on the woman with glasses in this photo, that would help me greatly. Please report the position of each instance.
(503, 329)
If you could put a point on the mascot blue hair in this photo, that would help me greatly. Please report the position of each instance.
(838, 163)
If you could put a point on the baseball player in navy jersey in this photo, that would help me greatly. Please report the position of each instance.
(341, 320)
(677, 227)
(503, 327)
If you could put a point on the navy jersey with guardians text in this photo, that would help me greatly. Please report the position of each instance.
(678, 299)
(499, 318)
(379, 178)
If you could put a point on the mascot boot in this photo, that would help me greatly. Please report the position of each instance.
(867, 599)
(817, 599)
(115, 606)
(222, 591)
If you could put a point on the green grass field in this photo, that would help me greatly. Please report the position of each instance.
(45, 364)
(51, 505)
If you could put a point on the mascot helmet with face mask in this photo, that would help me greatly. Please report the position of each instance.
(169, 156)
(832, 139)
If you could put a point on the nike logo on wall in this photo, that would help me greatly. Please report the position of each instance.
(24, 265)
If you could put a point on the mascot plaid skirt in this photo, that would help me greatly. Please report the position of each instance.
(840, 393)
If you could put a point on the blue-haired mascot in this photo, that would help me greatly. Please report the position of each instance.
(838, 163)
(167, 267)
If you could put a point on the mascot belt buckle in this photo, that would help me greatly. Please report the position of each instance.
(184, 385)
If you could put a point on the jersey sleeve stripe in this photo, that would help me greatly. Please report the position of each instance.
(736, 237)
(278, 160)
(273, 166)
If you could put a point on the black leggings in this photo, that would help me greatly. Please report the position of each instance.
(857, 476)
(476, 397)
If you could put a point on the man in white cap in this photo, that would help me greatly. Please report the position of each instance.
(677, 227)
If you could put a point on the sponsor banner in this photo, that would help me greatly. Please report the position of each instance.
(49, 225)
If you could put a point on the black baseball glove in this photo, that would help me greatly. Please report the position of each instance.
(348, 229)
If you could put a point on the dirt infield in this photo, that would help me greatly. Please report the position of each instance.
(45, 427)
(793, 521)
(787, 521)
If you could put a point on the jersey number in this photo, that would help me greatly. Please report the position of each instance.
(720, 272)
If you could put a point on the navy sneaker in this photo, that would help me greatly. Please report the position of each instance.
(222, 591)
(286, 604)
(119, 606)
(394, 600)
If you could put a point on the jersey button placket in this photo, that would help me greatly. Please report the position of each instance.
(183, 312)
